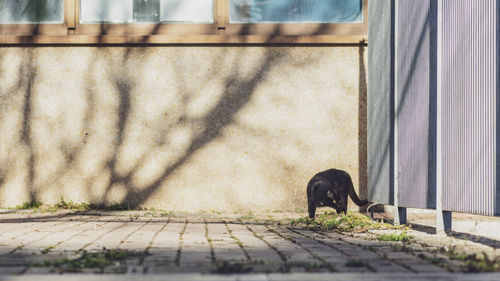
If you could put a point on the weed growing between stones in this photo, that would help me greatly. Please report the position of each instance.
(470, 263)
(34, 205)
(47, 249)
(181, 244)
(402, 236)
(238, 241)
(246, 217)
(230, 267)
(74, 206)
(355, 263)
(352, 222)
(70, 205)
(306, 266)
(88, 260)
(478, 262)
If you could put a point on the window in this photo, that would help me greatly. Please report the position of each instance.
(32, 17)
(298, 18)
(146, 17)
(183, 21)
(31, 11)
(146, 11)
(296, 11)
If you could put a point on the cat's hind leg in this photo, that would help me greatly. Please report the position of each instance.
(311, 209)
(344, 197)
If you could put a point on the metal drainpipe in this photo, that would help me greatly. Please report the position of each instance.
(443, 218)
(399, 213)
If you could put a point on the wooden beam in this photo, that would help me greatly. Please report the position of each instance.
(179, 39)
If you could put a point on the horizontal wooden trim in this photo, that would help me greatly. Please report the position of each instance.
(145, 29)
(342, 29)
(181, 39)
(220, 32)
(33, 29)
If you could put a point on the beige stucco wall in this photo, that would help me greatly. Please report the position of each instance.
(178, 128)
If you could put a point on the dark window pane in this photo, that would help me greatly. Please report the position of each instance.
(147, 10)
(31, 11)
(281, 11)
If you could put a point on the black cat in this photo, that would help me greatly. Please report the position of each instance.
(330, 188)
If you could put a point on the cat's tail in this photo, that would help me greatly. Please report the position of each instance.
(354, 196)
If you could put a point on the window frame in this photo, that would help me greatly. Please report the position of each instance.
(144, 29)
(221, 31)
(299, 29)
(34, 29)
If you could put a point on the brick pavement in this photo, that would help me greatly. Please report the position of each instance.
(200, 244)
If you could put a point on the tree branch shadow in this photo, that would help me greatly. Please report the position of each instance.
(237, 93)
(238, 89)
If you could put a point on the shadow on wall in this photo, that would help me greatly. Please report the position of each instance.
(184, 128)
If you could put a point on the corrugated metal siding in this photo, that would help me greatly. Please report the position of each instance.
(469, 94)
(380, 100)
(416, 92)
(497, 111)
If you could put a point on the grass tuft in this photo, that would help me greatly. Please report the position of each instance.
(29, 205)
(352, 222)
(402, 236)
(74, 206)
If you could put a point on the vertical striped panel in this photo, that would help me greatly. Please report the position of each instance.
(469, 114)
(497, 111)
(415, 98)
(380, 100)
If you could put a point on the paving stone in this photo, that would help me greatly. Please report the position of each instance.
(39, 270)
(83, 240)
(170, 245)
(293, 253)
(142, 239)
(163, 250)
(195, 249)
(114, 239)
(7, 270)
(26, 230)
(349, 252)
(51, 240)
(224, 246)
